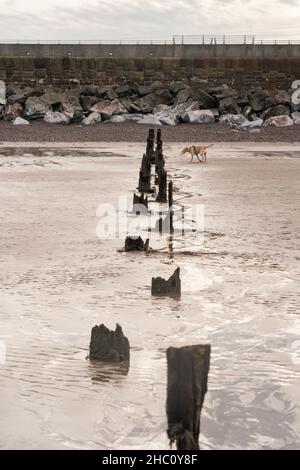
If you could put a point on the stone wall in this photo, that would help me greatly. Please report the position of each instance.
(236, 65)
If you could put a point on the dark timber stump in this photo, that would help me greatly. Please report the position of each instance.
(109, 346)
(140, 200)
(162, 187)
(171, 287)
(136, 244)
(188, 369)
(170, 195)
(145, 176)
(150, 146)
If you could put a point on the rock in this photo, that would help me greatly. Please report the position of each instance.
(71, 107)
(146, 104)
(279, 110)
(282, 97)
(129, 104)
(166, 114)
(88, 102)
(229, 106)
(182, 109)
(53, 98)
(91, 119)
(260, 100)
(133, 117)
(17, 97)
(117, 119)
(55, 117)
(13, 110)
(205, 100)
(122, 90)
(90, 90)
(109, 346)
(36, 107)
(279, 121)
(20, 122)
(171, 287)
(233, 119)
(150, 119)
(164, 95)
(136, 244)
(296, 117)
(107, 109)
(175, 87)
(222, 92)
(202, 116)
(252, 124)
(183, 95)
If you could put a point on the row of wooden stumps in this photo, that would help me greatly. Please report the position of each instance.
(188, 366)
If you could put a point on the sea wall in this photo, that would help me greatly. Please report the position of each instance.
(235, 65)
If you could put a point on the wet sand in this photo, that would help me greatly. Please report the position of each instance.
(40, 131)
(240, 293)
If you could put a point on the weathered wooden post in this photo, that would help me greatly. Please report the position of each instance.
(109, 346)
(188, 369)
(150, 146)
(170, 196)
(140, 200)
(136, 244)
(170, 287)
(144, 185)
(162, 187)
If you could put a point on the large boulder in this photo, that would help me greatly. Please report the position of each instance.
(252, 124)
(182, 109)
(71, 107)
(233, 120)
(150, 119)
(279, 121)
(223, 91)
(146, 103)
(296, 117)
(229, 106)
(202, 116)
(13, 110)
(166, 114)
(183, 95)
(205, 100)
(55, 117)
(116, 119)
(260, 100)
(123, 90)
(88, 101)
(36, 107)
(107, 93)
(16, 98)
(176, 86)
(53, 98)
(108, 109)
(20, 122)
(282, 97)
(91, 119)
(279, 110)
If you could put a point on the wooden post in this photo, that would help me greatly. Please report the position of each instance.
(150, 147)
(170, 194)
(188, 369)
(162, 187)
(144, 185)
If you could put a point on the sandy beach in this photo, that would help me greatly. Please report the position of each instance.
(240, 291)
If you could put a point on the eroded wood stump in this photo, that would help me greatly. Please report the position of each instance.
(150, 146)
(188, 369)
(170, 287)
(136, 244)
(140, 200)
(162, 187)
(109, 346)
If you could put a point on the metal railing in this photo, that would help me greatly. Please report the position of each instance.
(177, 39)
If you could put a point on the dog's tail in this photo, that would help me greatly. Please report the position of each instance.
(211, 145)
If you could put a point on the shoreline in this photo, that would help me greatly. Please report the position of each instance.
(40, 131)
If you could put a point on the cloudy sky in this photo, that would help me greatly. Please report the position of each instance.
(157, 19)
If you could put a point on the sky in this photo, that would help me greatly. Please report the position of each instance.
(147, 19)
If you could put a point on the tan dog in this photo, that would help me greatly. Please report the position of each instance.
(197, 150)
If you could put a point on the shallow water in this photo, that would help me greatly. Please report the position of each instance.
(240, 293)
